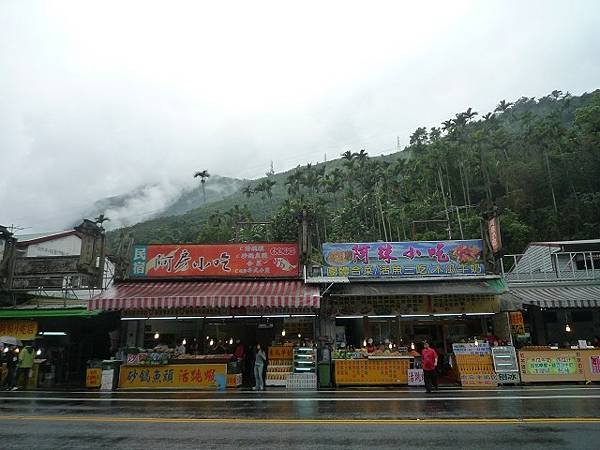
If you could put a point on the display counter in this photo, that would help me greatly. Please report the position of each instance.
(374, 370)
(541, 364)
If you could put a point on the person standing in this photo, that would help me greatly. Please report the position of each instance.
(25, 364)
(12, 361)
(259, 366)
(429, 358)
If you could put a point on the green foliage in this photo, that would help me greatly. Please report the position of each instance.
(536, 161)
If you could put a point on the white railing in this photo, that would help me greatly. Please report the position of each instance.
(551, 266)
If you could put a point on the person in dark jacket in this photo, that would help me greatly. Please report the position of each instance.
(12, 365)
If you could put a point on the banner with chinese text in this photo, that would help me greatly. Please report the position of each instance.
(174, 376)
(25, 330)
(215, 261)
(371, 371)
(404, 259)
(551, 365)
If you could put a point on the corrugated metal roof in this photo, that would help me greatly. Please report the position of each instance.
(586, 296)
(42, 237)
(536, 259)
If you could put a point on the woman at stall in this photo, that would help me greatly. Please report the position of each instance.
(370, 346)
(259, 367)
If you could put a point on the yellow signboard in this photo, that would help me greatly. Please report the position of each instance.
(190, 376)
(281, 352)
(371, 371)
(24, 330)
(93, 378)
(551, 365)
(476, 370)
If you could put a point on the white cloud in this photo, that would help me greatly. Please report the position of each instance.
(98, 98)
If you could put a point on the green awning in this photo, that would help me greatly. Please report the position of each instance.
(36, 313)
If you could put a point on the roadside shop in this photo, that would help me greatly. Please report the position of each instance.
(382, 300)
(192, 314)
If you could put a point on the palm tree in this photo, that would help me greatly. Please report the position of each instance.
(503, 106)
(248, 191)
(203, 176)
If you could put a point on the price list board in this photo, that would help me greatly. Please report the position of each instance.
(371, 371)
(475, 365)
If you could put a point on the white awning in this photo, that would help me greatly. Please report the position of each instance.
(587, 296)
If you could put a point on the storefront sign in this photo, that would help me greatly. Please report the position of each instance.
(372, 371)
(147, 359)
(483, 348)
(595, 364)
(174, 376)
(517, 324)
(404, 259)
(551, 365)
(281, 352)
(508, 378)
(561, 365)
(25, 330)
(494, 234)
(415, 304)
(592, 368)
(93, 378)
(215, 261)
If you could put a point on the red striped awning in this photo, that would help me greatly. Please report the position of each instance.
(207, 294)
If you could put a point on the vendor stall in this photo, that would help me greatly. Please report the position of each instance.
(542, 364)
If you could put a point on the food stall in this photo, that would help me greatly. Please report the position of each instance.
(543, 364)
(167, 369)
(378, 368)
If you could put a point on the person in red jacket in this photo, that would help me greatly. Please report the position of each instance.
(429, 358)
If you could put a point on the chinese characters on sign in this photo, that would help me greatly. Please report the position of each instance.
(227, 260)
(404, 259)
(174, 376)
(24, 330)
(595, 364)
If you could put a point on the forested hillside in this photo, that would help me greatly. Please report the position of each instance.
(536, 161)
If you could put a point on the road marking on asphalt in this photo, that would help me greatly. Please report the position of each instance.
(328, 392)
(259, 398)
(238, 421)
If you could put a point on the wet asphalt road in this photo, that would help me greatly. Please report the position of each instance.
(523, 417)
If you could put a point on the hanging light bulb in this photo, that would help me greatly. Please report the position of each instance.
(283, 332)
(230, 341)
(17, 350)
(364, 342)
(299, 335)
(39, 352)
(390, 346)
(207, 338)
(476, 341)
(156, 335)
(184, 341)
(567, 328)
(412, 345)
(211, 342)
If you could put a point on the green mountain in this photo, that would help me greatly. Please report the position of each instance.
(536, 162)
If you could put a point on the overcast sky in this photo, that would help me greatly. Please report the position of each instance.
(97, 98)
